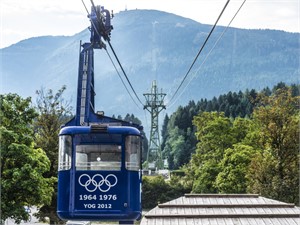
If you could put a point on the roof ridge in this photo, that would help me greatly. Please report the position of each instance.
(225, 215)
(226, 205)
(223, 195)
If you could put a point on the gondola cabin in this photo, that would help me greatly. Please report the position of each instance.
(99, 174)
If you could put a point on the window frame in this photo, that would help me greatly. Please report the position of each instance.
(64, 153)
(133, 152)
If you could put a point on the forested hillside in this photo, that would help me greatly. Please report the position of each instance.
(178, 139)
(238, 143)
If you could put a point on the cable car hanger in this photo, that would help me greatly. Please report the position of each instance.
(99, 163)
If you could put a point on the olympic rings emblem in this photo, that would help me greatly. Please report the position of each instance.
(97, 181)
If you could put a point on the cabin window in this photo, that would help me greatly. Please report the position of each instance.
(65, 152)
(98, 157)
(98, 151)
(133, 153)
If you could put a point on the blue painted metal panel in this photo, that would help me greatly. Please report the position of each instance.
(100, 195)
(63, 194)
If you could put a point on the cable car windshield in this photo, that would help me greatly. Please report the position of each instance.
(100, 152)
(98, 157)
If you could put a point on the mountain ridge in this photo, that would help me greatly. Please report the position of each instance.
(154, 45)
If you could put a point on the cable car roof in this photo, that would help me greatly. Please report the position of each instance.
(99, 129)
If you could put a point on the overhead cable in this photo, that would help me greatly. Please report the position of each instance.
(224, 31)
(121, 78)
(203, 45)
(108, 40)
(124, 73)
(112, 49)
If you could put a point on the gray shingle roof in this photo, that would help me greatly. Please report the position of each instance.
(232, 209)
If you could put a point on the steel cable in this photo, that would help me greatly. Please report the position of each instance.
(203, 45)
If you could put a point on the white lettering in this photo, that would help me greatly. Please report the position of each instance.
(87, 197)
(90, 206)
(104, 206)
(107, 197)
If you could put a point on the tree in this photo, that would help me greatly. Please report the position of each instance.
(153, 191)
(221, 160)
(23, 166)
(53, 112)
(214, 135)
(178, 136)
(157, 190)
(234, 167)
(278, 122)
(131, 118)
(178, 147)
(164, 131)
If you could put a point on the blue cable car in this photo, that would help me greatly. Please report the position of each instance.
(99, 166)
(99, 173)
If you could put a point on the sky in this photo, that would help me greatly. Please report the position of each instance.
(22, 19)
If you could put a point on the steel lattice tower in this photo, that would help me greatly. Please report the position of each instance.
(154, 104)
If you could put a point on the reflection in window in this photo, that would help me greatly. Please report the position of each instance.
(133, 153)
(98, 157)
(65, 151)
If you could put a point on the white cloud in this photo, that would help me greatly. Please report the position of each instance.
(30, 18)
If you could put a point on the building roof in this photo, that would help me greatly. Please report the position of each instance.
(229, 209)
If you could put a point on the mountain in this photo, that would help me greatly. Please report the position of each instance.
(154, 45)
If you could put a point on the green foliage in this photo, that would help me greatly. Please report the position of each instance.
(174, 146)
(257, 155)
(261, 174)
(153, 192)
(177, 173)
(131, 118)
(23, 166)
(215, 135)
(157, 190)
(238, 143)
(278, 125)
(53, 112)
(179, 141)
(234, 167)
(164, 131)
(205, 175)
(232, 104)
